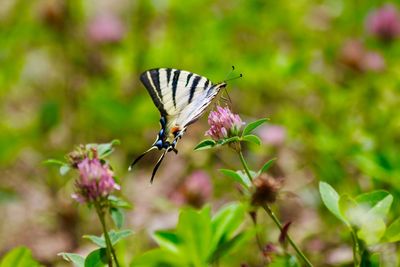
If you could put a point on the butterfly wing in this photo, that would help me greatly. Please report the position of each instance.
(172, 89)
(180, 96)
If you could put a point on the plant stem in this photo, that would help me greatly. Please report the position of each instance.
(246, 168)
(292, 243)
(356, 248)
(274, 218)
(109, 248)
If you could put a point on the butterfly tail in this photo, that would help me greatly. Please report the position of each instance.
(141, 156)
(157, 166)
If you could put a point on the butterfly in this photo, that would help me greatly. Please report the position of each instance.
(181, 97)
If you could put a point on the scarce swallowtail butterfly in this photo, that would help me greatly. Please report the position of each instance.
(181, 97)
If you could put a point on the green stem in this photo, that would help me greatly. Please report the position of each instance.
(274, 218)
(109, 248)
(356, 248)
(246, 168)
(291, 242)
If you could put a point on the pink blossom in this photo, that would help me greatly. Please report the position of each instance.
(273, 134)
(223, 123)
(384, 23)
(105, 28)
(95, 181)
(357, 57)
(373, 61)
(195, 190)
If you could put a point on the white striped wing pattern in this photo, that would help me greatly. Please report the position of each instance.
(180, 96)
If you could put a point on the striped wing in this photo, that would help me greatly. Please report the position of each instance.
(179, 95)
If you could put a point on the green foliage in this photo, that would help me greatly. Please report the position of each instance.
(237, 176)
(19, 257)
(252, 126)
(205, 144)
(198, 239)
(365, 214)
(76, 259)
(252, 139)
(267, 165)
(115, 237)
(96, 258)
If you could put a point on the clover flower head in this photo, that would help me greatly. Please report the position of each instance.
(266, 189)
(223, 123)
(384, 23)
(95, 181)
(105, 28)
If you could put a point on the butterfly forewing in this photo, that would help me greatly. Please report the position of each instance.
(177, 93)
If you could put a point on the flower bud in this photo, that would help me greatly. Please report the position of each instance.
(266, 189)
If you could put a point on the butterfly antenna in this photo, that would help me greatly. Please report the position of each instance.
(157, 166)
(229, 74)
(141, 156)
(234, 78)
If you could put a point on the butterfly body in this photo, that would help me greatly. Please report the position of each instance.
(181, 98)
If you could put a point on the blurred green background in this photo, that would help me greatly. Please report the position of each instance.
(70, 75)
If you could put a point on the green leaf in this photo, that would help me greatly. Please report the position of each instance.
(97, 258)
(285, 261)
(117, 216)
(372, 198)
(19, 257)
(368, 260)
(252, 139)
(97, 240)
(54, 162)
(381, 208)
(103, 150)
(205, 144)
(267, 165)
(253, 125)
(158, 258)
(194, 229)
(225, 223)
(242, 179)
(372, 230)
(115, 236)
(167, 240)
(349, 209)
(229, 140)
(64, 169)
(392, 233)
(226, 247)
(331, 200)
(76, 259)
(117, 202)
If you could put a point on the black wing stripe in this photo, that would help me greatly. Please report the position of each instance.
(174, 85)
(151, 82)
(188, 79)
(195, 82)
(168, 75)
(155, 77)
(206, 84)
